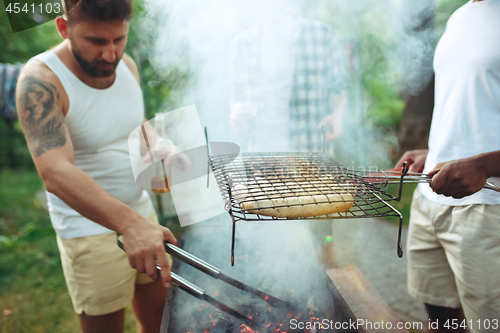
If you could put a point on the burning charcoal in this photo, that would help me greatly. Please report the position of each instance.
(309, 289)
(223, 325)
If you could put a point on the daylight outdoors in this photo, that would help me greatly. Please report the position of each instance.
(382, 93)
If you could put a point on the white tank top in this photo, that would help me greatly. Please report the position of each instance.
(467, 107)
(99, 123)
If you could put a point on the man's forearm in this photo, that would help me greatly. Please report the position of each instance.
(490, 163)
(82, 193)
(463, 177)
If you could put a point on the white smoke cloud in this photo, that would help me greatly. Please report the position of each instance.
(195, 36)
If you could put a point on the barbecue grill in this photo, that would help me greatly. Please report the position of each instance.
(270, 183)
(305, 292)
(276, 178)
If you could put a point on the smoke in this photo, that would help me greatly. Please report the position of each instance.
(195, 37)
(416, 44)
(276, 258)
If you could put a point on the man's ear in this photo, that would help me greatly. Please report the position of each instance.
(62, 27)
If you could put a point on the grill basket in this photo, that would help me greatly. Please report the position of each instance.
(280, 180)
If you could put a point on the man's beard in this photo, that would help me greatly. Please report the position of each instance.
(94, 68)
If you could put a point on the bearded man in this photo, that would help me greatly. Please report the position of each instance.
(77, 104)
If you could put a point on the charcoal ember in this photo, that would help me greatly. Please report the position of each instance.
(223, 325)
(303, 284)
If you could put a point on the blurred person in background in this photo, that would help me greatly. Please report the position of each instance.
(287, 78)
(454, 234)
(77, 104)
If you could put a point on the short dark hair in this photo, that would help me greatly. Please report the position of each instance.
(97, 10)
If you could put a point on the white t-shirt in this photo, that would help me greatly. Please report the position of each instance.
(466, 115)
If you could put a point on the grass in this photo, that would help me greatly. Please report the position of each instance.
(33, 294)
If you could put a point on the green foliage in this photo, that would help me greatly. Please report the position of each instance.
(32, 287)
(158, 88)
(134, 39)
(386, 110)
(386, 106)
(21, 46)
(31, 282)
(18, 208)
(404, 205)
(28, 14)
(14, 152)
(444, 9)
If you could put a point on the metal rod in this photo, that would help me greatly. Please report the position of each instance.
(490, 186)
(160, 204)
(216, 273)
(400, 244)
(394, 177)
(147, 143)
(248, 322)
(230, 210)
(160, 209)
(404, 170)
(209, 155)
(196, 291)
(386, 178)
(185, 285)
(187, 257)
(273, 301)
(208, 173)
(191, 260)
(209, 151)
(199, 293)
(232, 241)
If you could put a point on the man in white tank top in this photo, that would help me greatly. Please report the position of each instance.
(77, 104)
(454, 234)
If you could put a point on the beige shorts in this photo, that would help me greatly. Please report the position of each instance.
(454, 259)
(98, 274)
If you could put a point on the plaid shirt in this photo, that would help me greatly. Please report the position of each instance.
(319, 74)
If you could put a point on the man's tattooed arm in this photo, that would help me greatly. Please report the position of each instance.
(40, 115)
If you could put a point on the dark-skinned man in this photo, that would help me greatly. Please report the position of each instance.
(454, 234)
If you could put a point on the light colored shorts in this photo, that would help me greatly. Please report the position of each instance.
(98, 274)
(454, 259)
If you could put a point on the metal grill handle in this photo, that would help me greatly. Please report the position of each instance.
(191, 260)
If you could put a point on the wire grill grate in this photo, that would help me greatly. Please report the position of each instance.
(254, 184)
(278, 178)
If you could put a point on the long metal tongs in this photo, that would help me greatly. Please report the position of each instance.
(394, 177)
(216, 273)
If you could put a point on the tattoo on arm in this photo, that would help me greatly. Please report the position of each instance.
(40, 115)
